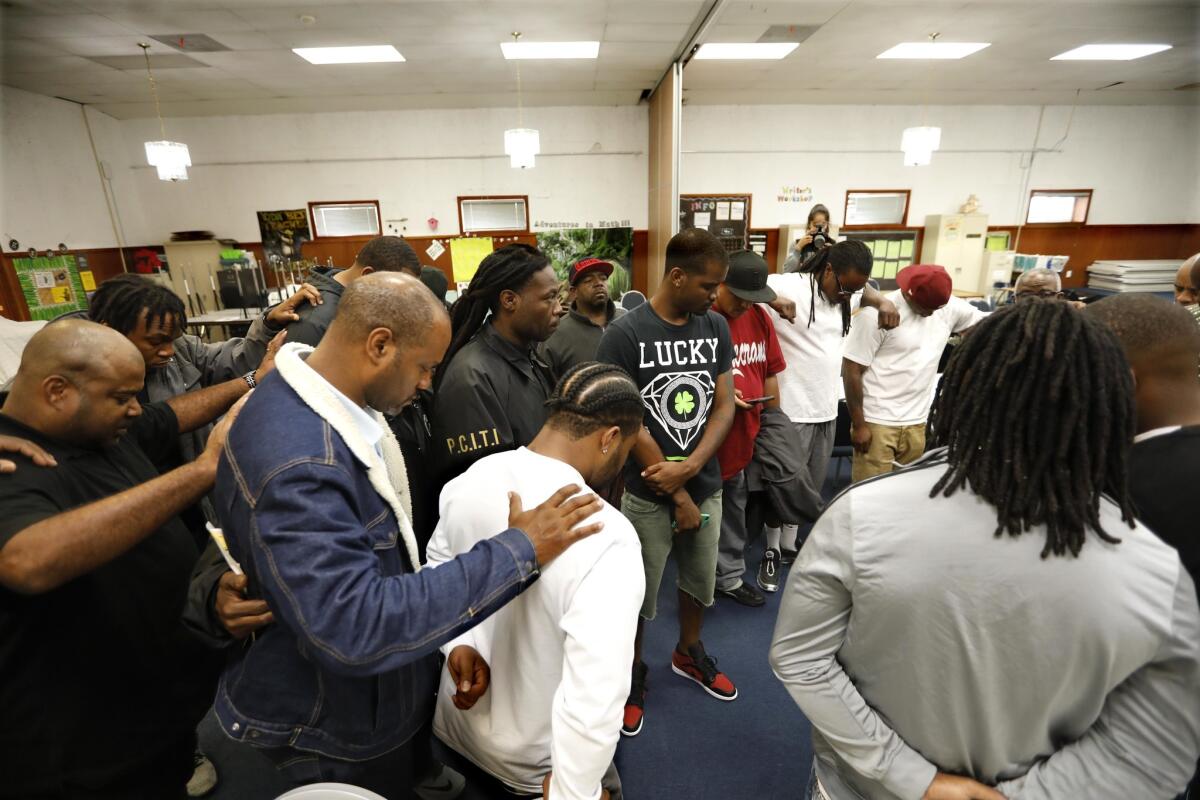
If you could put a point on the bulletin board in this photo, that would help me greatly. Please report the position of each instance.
(52, 286)
(893, 250)
(725, 216)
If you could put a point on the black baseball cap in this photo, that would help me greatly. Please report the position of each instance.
(747, 277)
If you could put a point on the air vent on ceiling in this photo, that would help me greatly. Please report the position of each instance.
(164, 61)
(788, 33)
(190, 42)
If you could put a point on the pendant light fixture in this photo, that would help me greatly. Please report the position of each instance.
(919, 143)
(171, 159)
(521, 144)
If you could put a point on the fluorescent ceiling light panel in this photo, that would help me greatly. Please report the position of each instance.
(1111, 52)
(542, 50)
(930, 50)
(365, 54)
(745, 51)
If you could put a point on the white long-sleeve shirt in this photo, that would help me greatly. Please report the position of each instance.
(560, 653)
(914, 639)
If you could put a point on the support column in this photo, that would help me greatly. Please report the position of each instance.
(666, 106)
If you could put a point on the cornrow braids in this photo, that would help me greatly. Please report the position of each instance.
(509, 268)
(848, 256)
(592, 396)
(119, 302)
(1036, 411)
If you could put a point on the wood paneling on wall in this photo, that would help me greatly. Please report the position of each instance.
(1084, 244)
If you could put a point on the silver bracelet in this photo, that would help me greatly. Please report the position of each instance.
(249, 379)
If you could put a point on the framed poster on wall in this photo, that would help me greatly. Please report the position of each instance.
(52, 286)
(725, 216)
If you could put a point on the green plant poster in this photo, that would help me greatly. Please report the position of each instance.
(615, 245)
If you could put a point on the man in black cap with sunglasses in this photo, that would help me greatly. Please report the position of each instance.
(578, 335)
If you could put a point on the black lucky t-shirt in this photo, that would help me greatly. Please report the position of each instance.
(1164, 473)
(676, 368)
(95, 676)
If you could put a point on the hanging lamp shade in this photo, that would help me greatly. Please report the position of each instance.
(171, 159)
(918, 145)
(521, 145)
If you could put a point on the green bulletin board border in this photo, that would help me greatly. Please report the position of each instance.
(25, 267)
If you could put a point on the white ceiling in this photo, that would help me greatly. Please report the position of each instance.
(453, 54)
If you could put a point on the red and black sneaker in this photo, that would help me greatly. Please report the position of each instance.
(700, 667)
(632, 724)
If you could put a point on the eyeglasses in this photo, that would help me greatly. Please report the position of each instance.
(841, 290)
(1044, 294)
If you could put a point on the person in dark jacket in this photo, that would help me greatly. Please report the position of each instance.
(154, 318)
(492, 388)
(381, 254)
(437, 282)
(578, 335)
(341, 687)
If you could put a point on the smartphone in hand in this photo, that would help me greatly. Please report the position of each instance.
(763, 399)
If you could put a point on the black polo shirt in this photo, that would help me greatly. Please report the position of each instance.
(492, 398)
(94, 674)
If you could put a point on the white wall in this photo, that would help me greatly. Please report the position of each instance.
(415, 163)
(50, 189)
(1142, 161)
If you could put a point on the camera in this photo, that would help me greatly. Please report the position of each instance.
(820, 237)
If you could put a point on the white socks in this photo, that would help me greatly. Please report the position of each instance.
(772, 535)
(786, 533)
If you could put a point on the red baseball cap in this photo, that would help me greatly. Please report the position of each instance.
(587, 265)
(927, 284)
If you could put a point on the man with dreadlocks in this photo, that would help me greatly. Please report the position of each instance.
(826, 291)
(993, 615)
(491, 389)
(571, 629)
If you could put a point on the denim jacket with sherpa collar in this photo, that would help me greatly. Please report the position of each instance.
(319, 521)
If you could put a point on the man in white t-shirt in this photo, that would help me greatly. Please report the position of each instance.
(557, 658)
(889, 375)
(826, 292)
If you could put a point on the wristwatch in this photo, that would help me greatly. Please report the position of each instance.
(249, 379)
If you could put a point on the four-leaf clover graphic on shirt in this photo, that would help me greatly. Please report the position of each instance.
(684, 403)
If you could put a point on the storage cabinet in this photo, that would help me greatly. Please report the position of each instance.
(956, 242)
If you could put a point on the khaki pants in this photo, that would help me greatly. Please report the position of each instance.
(903, 445)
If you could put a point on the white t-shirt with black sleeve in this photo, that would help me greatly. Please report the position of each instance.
(902, 363)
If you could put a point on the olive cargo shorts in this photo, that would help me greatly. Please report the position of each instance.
(695, 553)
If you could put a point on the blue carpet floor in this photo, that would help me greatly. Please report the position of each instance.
(692, 746)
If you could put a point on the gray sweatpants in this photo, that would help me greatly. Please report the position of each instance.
(731, 547)
(816, 441)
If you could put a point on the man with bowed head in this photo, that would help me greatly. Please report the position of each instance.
(341, 687)
(101, 688)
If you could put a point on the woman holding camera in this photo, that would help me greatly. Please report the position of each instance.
(817, 237)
